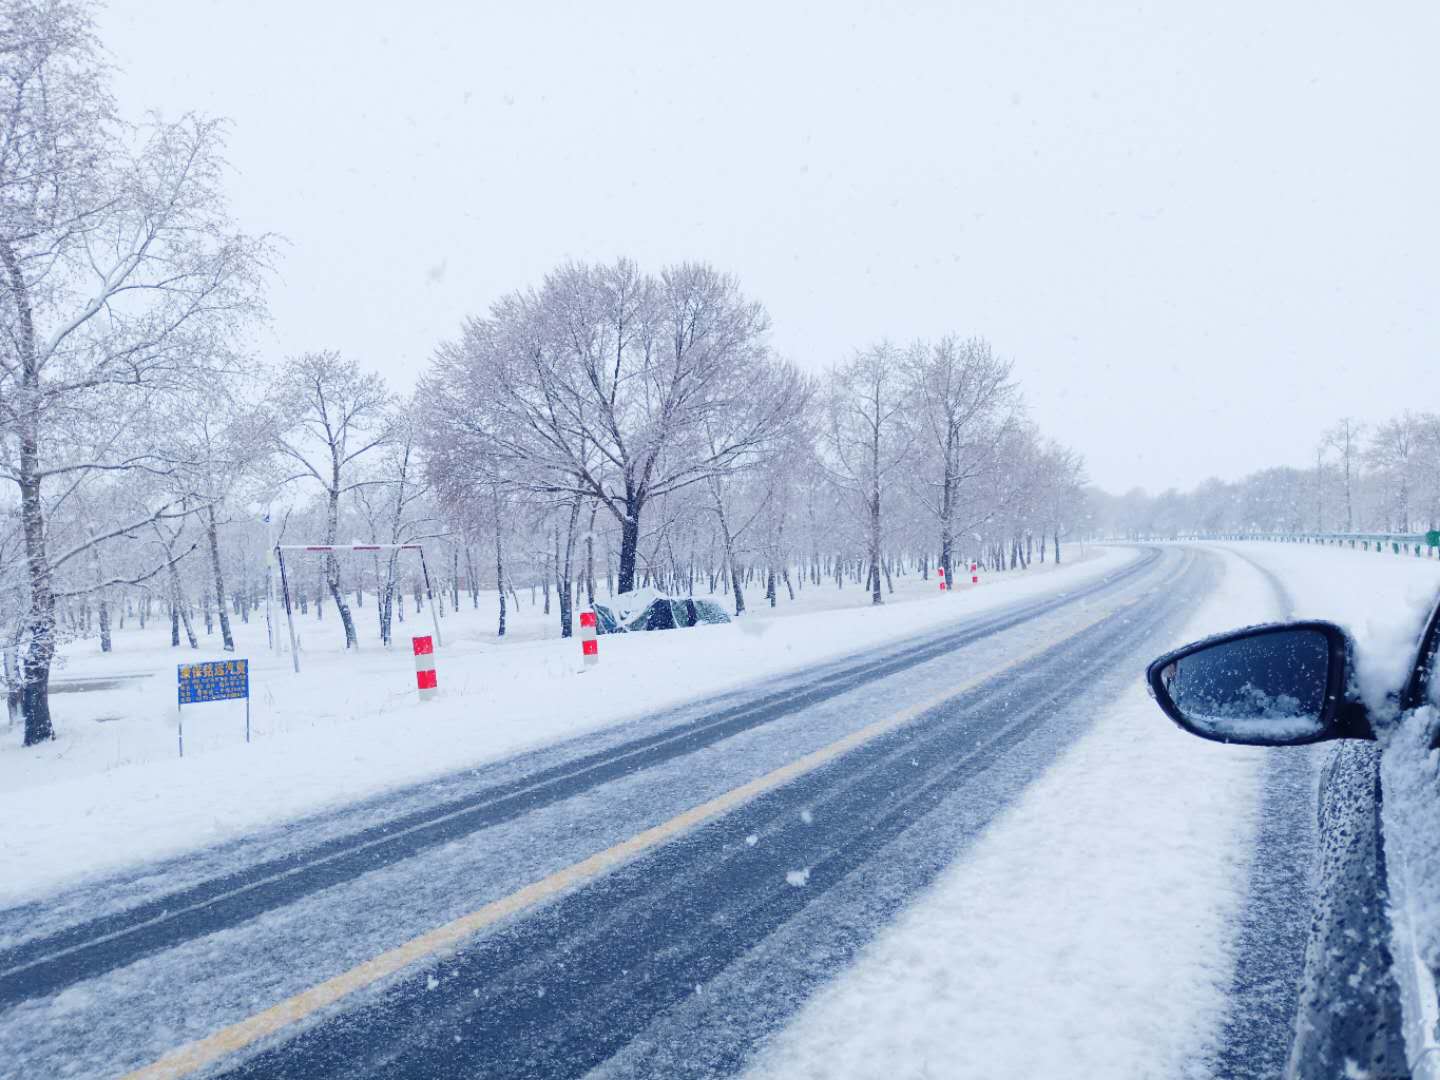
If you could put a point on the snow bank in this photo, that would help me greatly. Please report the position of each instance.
(110, 794)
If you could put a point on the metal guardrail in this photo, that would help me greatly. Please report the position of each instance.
(1421, 545)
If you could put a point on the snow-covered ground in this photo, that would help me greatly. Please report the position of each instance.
(1089, 932)
(110, 790)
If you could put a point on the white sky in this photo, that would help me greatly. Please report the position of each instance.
(1202, 231)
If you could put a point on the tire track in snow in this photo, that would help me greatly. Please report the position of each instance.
(1275, 924)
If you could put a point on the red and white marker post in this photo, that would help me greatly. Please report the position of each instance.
(974, 576)
(425, 680)
(941, 571)
(589, 639)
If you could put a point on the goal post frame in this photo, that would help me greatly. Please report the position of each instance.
(331, 549)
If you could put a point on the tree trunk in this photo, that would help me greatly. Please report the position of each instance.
(104, 619)
(473, 581)
(499, 560)
(179, 605)
(874, 538)
(332, 564)
(102, 601)
(590, 557)
(629, 545)
(500, 574)
(212, 535)
(565, 570)
(40, 620)
(947, 511)
(14, 682)
(386, 600)
(729, 555)
(382, 603)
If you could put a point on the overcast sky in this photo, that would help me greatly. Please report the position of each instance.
(1201, 231)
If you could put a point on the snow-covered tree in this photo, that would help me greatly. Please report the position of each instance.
(331, 415)
(120, 277)
(867, 438)
(963, 396)
(599, 385)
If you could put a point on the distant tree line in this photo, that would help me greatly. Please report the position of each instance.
(1380, 478)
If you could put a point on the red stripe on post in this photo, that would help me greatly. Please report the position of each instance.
(423, 645)
(590, 648)
(587, 618)
(425, 680)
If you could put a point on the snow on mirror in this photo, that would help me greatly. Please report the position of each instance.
(1265, 687)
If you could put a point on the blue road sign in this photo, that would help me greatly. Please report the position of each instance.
(214, 680)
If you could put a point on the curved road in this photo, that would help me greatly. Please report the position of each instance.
(650, 900)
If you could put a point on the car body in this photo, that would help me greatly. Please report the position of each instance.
(651, 610)
(1368, 1002)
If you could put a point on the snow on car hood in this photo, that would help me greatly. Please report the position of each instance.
(627, 606)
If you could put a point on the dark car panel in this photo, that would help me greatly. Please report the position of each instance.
(1349, 1017)
(661, 613)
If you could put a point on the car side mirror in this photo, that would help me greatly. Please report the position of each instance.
(1283, 684)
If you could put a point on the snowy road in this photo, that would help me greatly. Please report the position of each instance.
(834, 797)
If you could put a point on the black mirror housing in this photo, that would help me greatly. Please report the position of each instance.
(1278, 684)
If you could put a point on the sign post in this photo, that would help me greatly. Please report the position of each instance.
(212, 680)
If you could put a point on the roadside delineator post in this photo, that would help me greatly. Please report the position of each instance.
(589, 641)
(941, 571)
(974, 576)
(425, 680)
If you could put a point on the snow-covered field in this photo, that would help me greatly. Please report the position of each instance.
(111, 791)
(1089, 932)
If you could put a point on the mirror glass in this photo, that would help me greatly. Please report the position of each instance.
(1267, 687)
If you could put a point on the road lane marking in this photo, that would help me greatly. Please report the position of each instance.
(201, 1053)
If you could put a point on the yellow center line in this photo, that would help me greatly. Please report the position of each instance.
(198, 1054)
